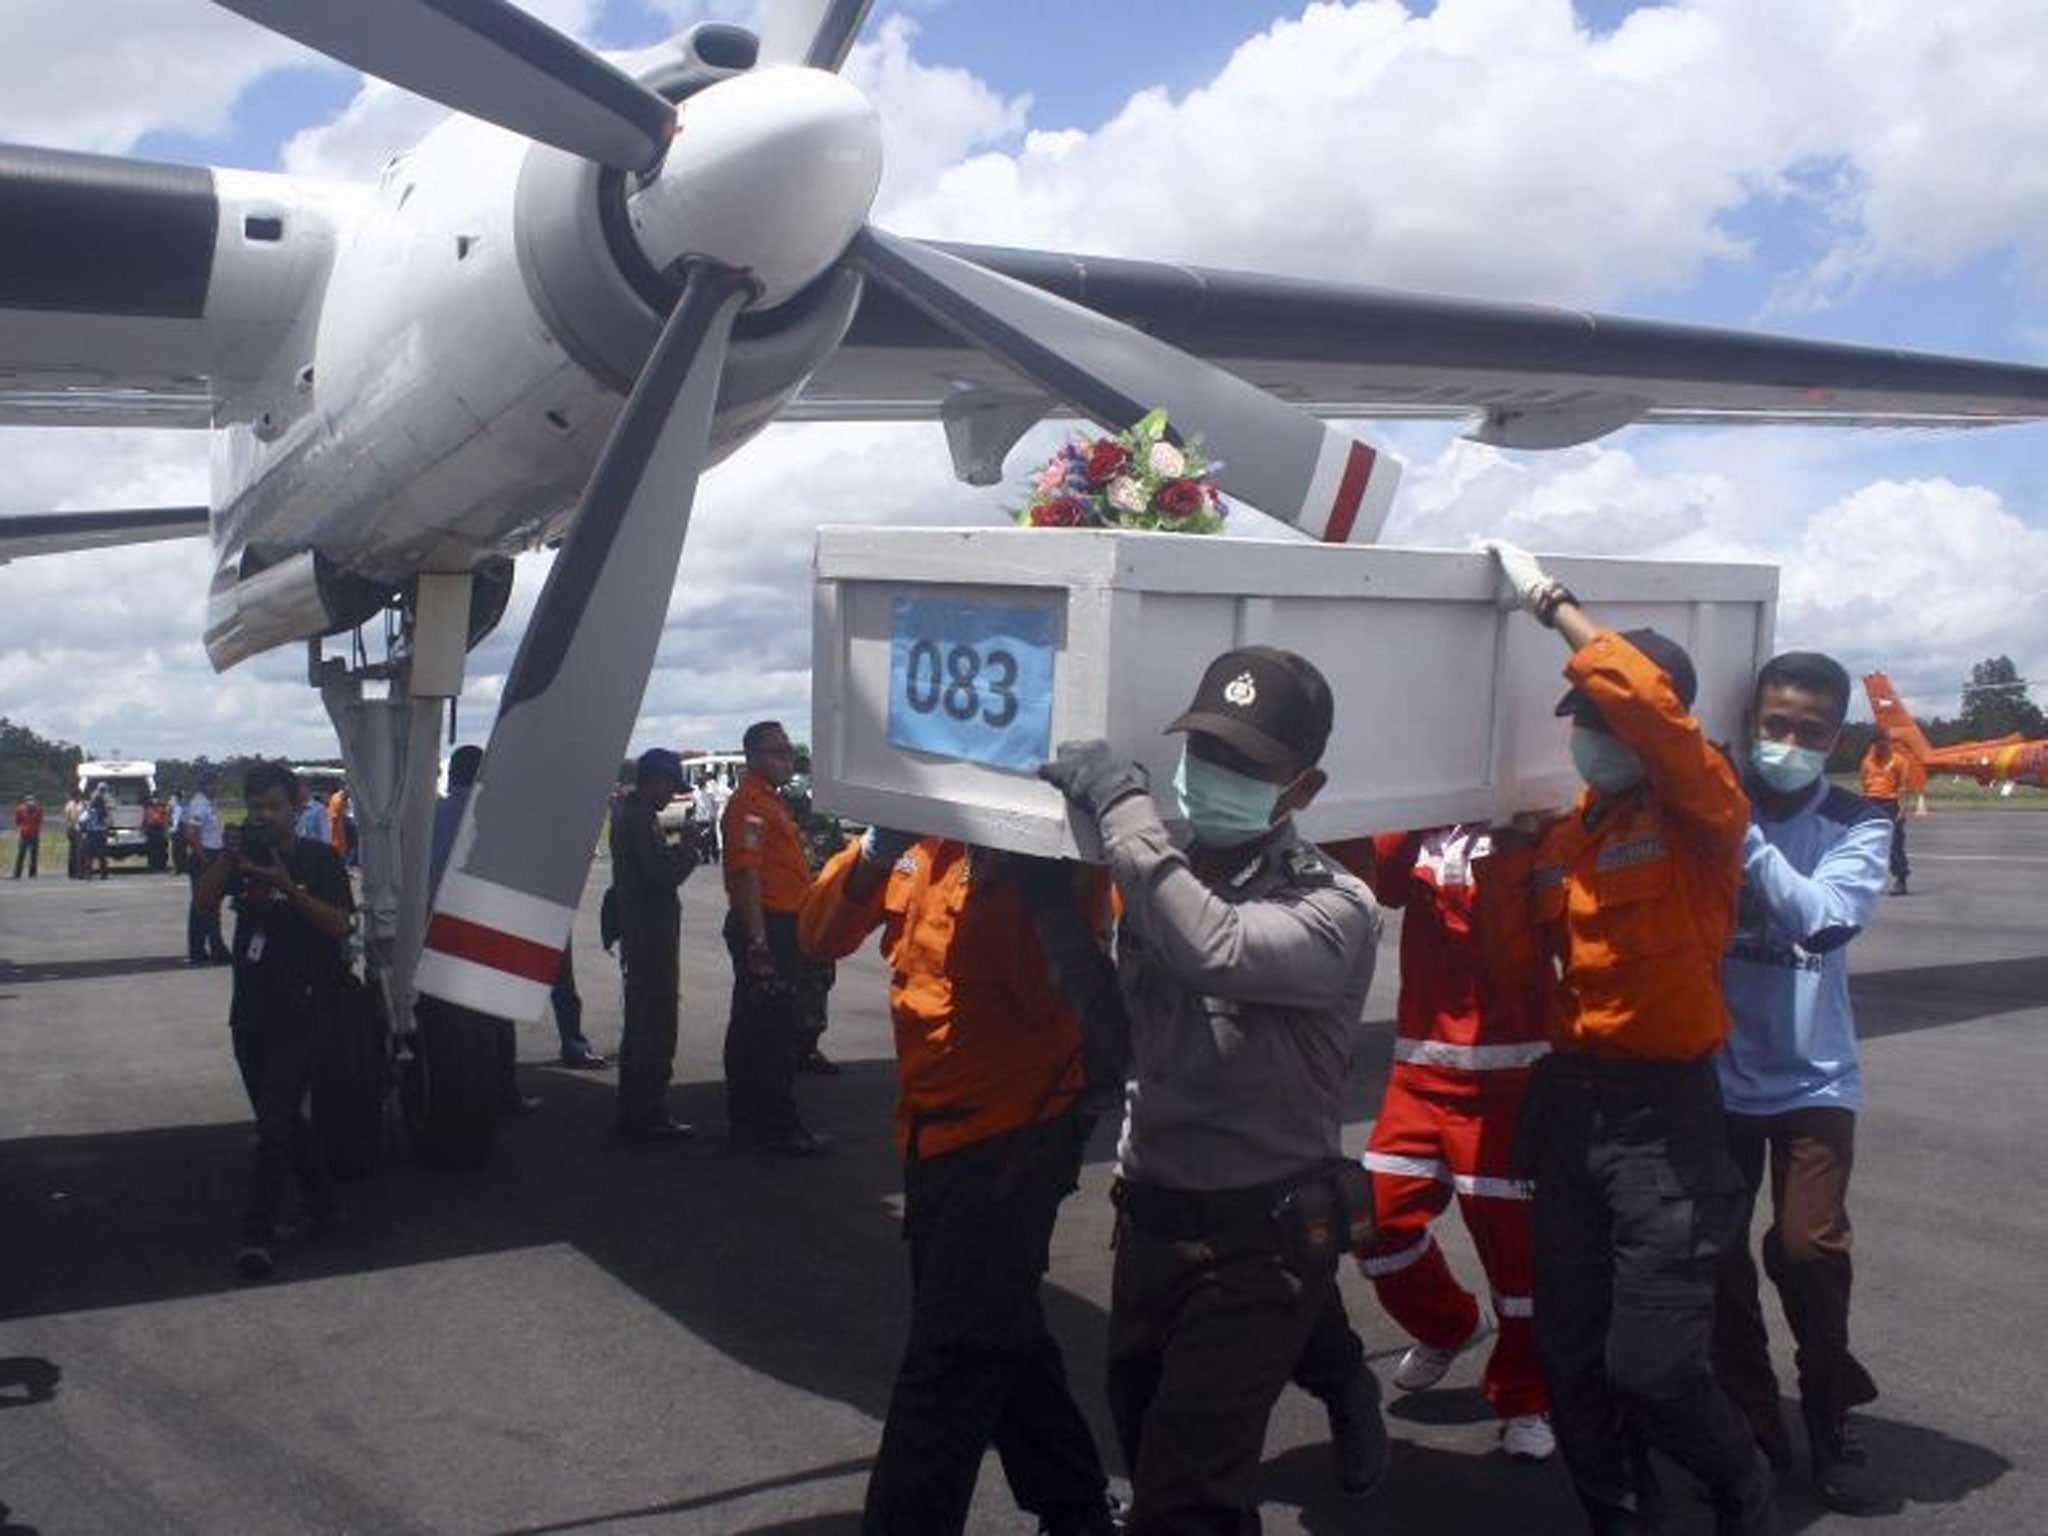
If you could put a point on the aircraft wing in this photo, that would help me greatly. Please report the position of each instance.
(152, 295)
(1528, 376)
(58, 533)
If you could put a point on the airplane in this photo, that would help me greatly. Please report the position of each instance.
(2004, 761)
(543, 322)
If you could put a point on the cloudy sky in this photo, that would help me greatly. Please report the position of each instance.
(1869, 170)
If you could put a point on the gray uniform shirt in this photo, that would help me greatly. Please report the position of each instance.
(1244, 999)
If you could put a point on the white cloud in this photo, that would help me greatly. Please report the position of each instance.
(98, 74)
(1498, 147)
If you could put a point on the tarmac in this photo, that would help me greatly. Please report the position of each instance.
(585, 1338)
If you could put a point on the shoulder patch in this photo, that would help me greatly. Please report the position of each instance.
(1306, 867)
(1847, 808)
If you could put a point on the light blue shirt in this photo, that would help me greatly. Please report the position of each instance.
(1809, 885)
(313, 822)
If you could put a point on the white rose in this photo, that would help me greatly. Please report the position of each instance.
(1167, 461)
(1126, 495)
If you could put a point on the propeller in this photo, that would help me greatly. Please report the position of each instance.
(814, 32)
(492, 60)
(505, 903)
(1281, 460)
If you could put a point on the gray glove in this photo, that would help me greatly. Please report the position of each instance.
(1092, 776)
(883, 846)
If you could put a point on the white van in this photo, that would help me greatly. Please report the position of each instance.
(129, 786)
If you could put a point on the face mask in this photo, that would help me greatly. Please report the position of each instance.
(1223, 808)
(1785, 767)
(1605, 762)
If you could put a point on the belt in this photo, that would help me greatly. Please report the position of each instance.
(1183, 1215)
(1570, 1070)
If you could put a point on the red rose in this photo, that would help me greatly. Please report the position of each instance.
(1182, 498)
(1106, 460)
(1065, 512)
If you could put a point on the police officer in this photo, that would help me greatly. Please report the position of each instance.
(1245, 960)
(991, 1128)
(1637, 1199)
(647, 871)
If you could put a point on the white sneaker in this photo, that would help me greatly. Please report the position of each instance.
(1424, 1364)
(1527, 1437)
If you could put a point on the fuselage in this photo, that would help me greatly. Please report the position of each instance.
(2012, 759)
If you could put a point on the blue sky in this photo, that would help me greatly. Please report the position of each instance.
(1863, 170)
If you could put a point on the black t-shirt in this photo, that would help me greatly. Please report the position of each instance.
(283, 964)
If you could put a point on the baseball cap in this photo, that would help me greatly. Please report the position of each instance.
(659, 760)
(1664, 652)
(1270, 704)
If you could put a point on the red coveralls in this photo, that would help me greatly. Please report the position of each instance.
(1473, 1017)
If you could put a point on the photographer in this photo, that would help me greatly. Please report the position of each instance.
(292, 905)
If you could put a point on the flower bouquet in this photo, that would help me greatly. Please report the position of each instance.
(1136, 479)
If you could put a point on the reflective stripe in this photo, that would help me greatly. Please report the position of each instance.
(1391, 1263)
(1493, 1188)
(482, 987)
(1433, 1168)
(1514, 1306)
(1470, 1058)
(492, 905)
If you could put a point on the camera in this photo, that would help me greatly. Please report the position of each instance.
(257, 843)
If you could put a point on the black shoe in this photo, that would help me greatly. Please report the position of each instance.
(1358, 1435)
(656, 1131)
(518, 1106)
(584, 1061)
(1842, 1472)
(796, 1141)
(819, 1063)
(255, 1261)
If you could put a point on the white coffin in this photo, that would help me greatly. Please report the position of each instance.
(1444, 699)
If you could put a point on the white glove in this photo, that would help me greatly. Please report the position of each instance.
(1529, 580)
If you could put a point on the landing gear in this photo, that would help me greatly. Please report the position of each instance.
(442, 1059)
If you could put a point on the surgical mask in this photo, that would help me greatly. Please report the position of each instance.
(1606, 762)
(1784, 767)
(1223, 808)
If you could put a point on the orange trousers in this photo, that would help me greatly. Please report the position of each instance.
(1426, 1148)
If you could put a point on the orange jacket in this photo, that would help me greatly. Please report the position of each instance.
(1886, 779)
(1638, 904)
(984, 1043)
(758, 832)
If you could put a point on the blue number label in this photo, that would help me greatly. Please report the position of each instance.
(971, 680)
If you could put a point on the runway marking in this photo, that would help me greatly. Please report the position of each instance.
(1980, 858)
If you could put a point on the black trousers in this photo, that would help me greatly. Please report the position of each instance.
(203, 939)
(31, 850)
(648, 954)
(1205, 1331)
(1636, 1205)
(765, 1035)
(980, 1366)
(1900, 869)
(276, 1057)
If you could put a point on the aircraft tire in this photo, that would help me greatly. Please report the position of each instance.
(452, 1088)
(350, 1086)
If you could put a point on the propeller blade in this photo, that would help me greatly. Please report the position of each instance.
(492, 60)
(1279, 459)
(505, 902)
(817, 33)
